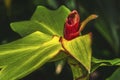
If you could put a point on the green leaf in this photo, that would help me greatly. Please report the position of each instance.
(47, 21)
(10, 51)
(50, 22)
(109, 31)
(100, 62)
(115, 75)
(80, 49)
(79, 72)
(101, 27)
(21, 57)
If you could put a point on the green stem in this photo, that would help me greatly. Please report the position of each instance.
(83, 24)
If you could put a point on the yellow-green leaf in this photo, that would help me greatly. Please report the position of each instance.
(50, 22)
(80, 49)
(21, 57)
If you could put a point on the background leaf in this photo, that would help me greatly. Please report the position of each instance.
(115, 75)
(78, 71)
(109, 31)
(100, 62)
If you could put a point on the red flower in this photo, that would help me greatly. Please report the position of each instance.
(71, 27)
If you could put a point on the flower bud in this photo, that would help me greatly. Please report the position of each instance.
(71, 27)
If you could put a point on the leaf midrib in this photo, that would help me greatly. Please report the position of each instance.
(46, 27)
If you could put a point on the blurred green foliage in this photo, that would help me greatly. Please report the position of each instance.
(106, 29)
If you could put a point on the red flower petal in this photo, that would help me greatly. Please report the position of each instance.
(71, 27)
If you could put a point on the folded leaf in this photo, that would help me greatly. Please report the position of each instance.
(80, 49)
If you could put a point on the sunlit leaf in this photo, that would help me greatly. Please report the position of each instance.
(21, 57)
(80, 49)
(47, 21)
(11, 51)
(50, 22)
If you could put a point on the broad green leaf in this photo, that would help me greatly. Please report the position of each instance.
(19, 59)
(79, 72)
(80, 49)
(12, 51)
(50, 22)
(47, 21)
(100, 62)
(115, 75)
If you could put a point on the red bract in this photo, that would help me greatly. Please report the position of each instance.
(71, 27)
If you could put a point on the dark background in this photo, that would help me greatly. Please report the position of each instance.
(106, 37)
